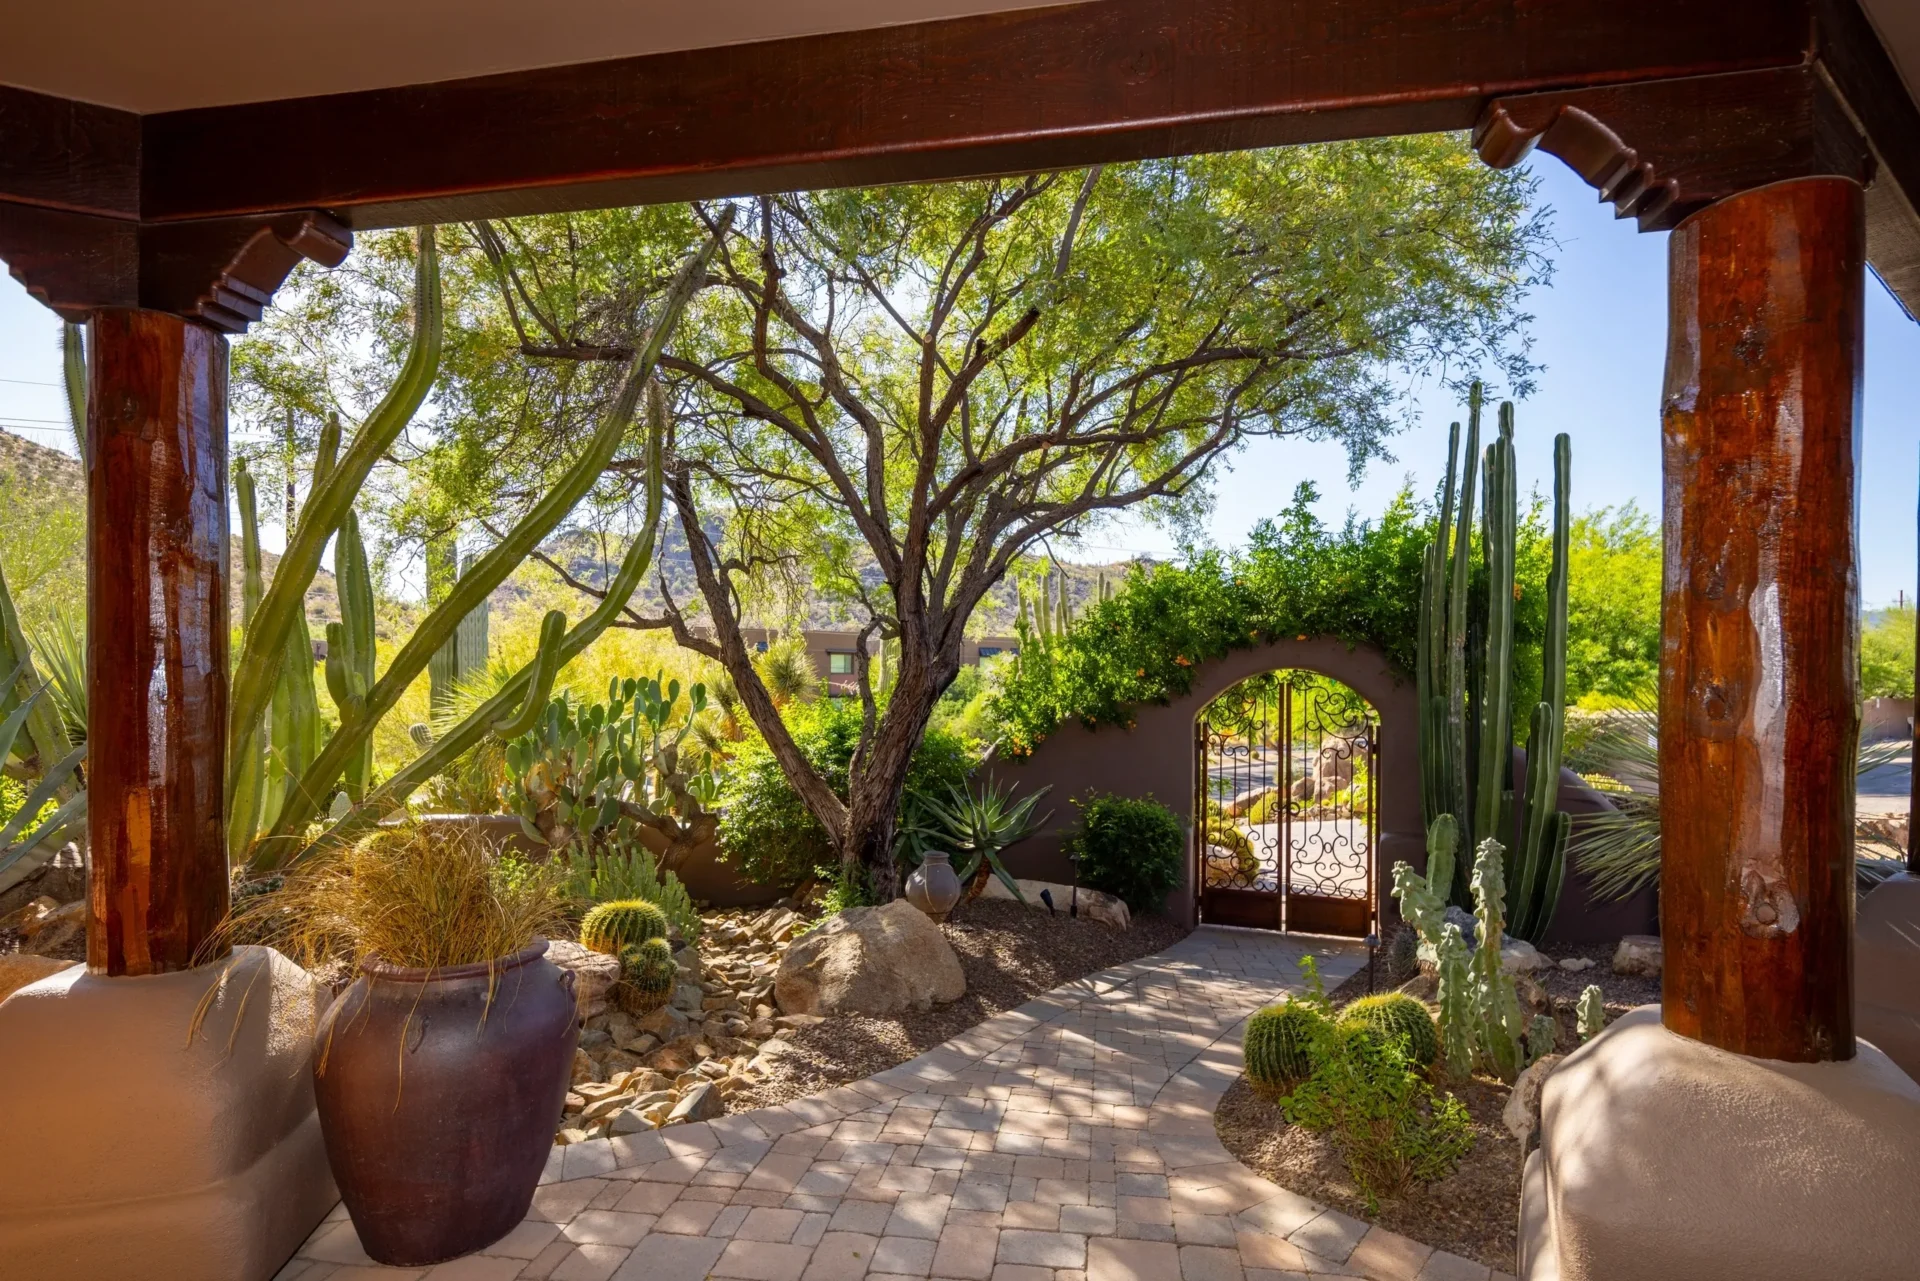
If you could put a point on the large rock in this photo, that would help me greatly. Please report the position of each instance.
(1092, 904)
(594, 974)
(1522, 1113)
(870, 960)
(1639, 954)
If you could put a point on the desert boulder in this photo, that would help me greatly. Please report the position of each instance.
(870, 960)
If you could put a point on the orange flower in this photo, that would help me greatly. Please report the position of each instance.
(1183, 660)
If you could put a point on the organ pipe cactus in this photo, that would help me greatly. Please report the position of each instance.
(1464, 676)
(305, 801)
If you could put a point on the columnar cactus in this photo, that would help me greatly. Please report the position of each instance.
(612, 928)
(647, 976)
(1400, 1019)
(1496, 1004)
(1461, 773)
(1277, 1044)
(1590, 1016)
(1542, 1033)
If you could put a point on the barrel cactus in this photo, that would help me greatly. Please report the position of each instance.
(614, 927)
(1277, 1046)
(1400, 1020)
(647, 975)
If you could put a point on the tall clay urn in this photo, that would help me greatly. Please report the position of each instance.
(439, 1092)
(933, 887)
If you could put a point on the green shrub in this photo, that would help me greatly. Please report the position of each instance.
(1360, 583)
(1279, 1044)
(1400, 1019)
(1130, 848)
(1390, 1127)
(614, 927)
(623, 868)
(767, 831)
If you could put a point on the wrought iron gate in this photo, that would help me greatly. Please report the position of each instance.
(1285, 809)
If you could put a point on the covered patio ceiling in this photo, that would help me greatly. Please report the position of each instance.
(391, 112)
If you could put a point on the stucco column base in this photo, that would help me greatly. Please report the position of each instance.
(1662, 1157)
(1886, 970)
(139, 1151)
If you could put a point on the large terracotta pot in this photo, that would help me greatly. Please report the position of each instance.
(438, 1104)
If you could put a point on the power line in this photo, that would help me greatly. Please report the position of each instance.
(29, 382)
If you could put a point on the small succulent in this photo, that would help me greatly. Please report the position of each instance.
(647, 975)
(1590, 1016)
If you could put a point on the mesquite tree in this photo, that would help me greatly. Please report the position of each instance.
(885, 398)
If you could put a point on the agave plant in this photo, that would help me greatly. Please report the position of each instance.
(1619, 851)
(976, 826)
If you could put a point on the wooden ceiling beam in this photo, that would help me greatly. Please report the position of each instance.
(1038, 88)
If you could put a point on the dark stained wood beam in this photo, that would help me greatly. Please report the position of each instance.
(1864, 80)
(156, 640)
(1040, 88)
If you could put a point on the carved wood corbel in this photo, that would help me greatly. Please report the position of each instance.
(1661, 150)
(220, 272)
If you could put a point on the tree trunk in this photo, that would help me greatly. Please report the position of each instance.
(877, 783)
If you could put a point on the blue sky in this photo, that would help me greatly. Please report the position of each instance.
(1599, 329)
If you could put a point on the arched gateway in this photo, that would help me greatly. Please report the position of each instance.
(1159, 755)
(1287, 784)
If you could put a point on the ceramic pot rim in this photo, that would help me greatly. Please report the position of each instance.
(374, 967)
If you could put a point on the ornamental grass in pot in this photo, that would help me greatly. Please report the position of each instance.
(441, 1070)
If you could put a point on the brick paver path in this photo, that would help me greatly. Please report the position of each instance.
(1068, 1140)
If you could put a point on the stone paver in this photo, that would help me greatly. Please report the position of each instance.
(1070, 1139)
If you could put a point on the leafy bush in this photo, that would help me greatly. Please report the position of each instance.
(1297, 578)
(768, 832)
(1886, 654)
(1399, 1019)
(1129, 848)
(1389, 1125)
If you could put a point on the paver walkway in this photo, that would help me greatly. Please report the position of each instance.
(1071, 1139)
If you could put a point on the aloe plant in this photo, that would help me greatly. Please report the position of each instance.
(976, 825)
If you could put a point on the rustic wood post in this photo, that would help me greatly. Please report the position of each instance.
(1759, 675)
(156, 639)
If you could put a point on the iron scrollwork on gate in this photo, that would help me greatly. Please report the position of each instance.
(1286, 805)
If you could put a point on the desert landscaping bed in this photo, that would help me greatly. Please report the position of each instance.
(1475, 1210)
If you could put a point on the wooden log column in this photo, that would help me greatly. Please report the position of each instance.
(1759, 677)
(156, 640)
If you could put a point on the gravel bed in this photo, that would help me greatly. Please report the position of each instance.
(1472, 1212)
(1010, 954)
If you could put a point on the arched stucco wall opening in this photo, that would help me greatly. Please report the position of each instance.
(1155, 757)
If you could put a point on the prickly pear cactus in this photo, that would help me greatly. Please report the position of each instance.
(613, 927)
(1590, 1016)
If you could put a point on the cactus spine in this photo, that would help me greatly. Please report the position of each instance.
(614, 927)
(1464, 682)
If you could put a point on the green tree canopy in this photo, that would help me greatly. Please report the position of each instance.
(884, 397)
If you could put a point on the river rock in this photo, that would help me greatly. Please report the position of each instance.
(1517, 956)
(594, 974)
(870, 960)
(1639, 954)
(1575, 964)
(1092, 904)
(701, 1103)
(1522, 1113)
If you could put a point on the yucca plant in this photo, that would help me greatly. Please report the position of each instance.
(1619, 851)
(975, 826)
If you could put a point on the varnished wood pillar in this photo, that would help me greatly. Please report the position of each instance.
(1759, 676)
(156, 639)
